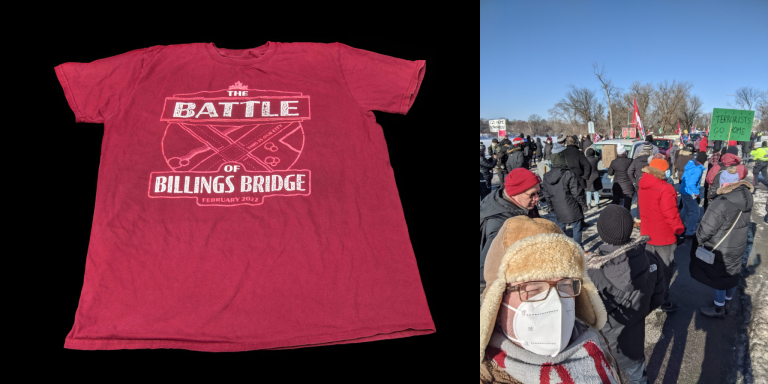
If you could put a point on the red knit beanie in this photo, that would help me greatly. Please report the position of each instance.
(519, 181)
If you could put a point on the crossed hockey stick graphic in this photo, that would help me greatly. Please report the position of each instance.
(225, 149)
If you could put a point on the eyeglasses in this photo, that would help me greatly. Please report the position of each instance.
(535, 193)
(567, 287)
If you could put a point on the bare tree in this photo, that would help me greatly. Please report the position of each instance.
(667, 100)
(608, 87)
(580, 105)
(704, 120)
(690, 111)
(562, 112)
(642, 93)
(533, 123)
(748, 97)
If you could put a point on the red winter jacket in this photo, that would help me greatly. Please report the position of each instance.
(657, 201)
(728, 159)
(703, 144)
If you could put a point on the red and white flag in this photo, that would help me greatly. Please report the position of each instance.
(636, 119)
(596, 138)
(679, 132)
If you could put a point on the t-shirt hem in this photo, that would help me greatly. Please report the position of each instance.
(356, 336)
(68, 93)
(413, 88)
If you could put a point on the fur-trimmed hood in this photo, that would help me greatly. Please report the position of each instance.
(597, 260)
(732, 186)
(513, 149)
(657, 173)
(544, 254)
(685, 152)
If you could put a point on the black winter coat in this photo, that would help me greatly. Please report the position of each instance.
(564, 194)
(515, 159)
(539, 149)
(630, 281)
(501, 157)
(587, 143)
(486, 168)
(716, 145)
(717, 219)
(577, 161)
(619, 169)
(494, 211)
(548, 151)
(635, 170)
(594, 181)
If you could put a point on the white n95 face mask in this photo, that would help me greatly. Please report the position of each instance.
(544, 327)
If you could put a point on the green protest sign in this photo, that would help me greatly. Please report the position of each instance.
(723, 119)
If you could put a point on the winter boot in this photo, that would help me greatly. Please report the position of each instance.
(714, 311)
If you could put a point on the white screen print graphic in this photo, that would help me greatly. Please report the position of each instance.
(232, 147)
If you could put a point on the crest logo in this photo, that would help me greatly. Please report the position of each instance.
(232, 147)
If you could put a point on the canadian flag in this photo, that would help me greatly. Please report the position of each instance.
(597, 137)
(636, 119)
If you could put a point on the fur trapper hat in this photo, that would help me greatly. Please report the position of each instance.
(528, 249)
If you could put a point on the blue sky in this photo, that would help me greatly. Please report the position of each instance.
(530, 51)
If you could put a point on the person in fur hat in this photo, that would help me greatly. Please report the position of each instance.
(731, 208)
(540, 312)
(660, 218)
(631, 283)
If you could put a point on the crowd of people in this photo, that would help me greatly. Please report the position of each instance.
(550, 309)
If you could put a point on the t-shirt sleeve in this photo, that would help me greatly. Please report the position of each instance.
(379, 82)
(95, 90)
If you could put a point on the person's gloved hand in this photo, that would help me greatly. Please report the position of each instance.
(680, 240)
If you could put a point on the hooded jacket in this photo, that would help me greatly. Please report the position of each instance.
(547, 150)
(594, 182)
(657, 201)
(683, 157)
(635, 170)
(515, 158)
(577, 161)
(619, 169)
(563, 192)
(717, 220)
(630, 280)
(728, 160)
(494, 210)
(492, 149)
(691, 179)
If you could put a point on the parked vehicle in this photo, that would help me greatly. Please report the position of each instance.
(664, 146)
(631, 146)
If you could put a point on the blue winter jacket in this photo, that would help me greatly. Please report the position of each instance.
(691, 180)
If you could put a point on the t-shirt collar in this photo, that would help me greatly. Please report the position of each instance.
(241, 57)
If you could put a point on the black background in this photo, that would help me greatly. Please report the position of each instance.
(57, 224)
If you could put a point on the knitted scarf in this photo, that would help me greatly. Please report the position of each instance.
(581, 362)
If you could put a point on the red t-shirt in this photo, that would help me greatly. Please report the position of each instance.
(234, 207)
